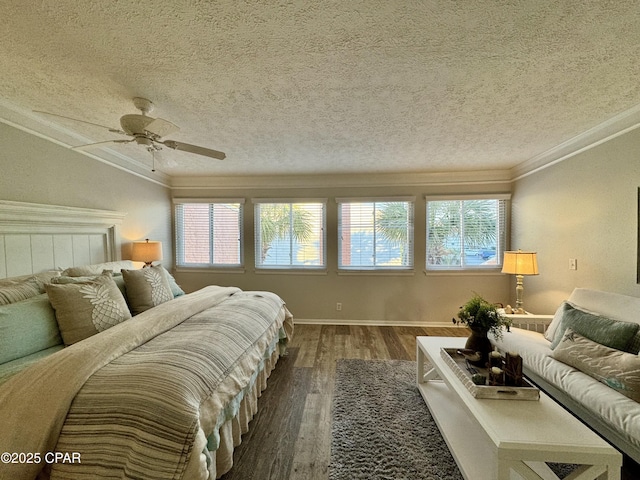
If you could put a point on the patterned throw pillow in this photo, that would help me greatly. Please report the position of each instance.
(20, 291)
(84, 309)
(117, 277)
(146, 288)
(619, 370)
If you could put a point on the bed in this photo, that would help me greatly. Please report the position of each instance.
(88, 389)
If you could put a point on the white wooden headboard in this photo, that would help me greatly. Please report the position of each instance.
(36, 238)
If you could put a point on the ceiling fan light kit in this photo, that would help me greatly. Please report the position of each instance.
(147, 131)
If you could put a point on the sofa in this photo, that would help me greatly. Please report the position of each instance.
(587, 359)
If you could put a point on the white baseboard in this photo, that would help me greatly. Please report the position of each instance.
(368, 323)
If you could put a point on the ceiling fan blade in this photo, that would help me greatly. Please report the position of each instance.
(161, 127)
(185, 147)
(113, 130)
(89, 146)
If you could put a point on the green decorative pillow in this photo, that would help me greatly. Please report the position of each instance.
(20, 291)
(175, 288)
(616, 369)
(146, 288)
(27, 327)
(84, 309)
(602, 330)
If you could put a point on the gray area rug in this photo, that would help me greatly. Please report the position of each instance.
(382, 429)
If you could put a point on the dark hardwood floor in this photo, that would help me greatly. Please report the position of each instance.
(290, 436)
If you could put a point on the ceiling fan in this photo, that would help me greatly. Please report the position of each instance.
(146, 131)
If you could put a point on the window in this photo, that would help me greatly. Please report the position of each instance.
(290, 234)
(209, 234)
(375, 234)
(466, 233)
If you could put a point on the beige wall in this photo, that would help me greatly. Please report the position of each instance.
(417, 299)
(38, 171)
(584, 208)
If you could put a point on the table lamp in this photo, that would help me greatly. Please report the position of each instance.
(147, 252)
(520, 263)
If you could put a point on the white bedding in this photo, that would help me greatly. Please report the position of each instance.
(34, 403)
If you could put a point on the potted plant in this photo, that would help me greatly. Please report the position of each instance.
(481, 317)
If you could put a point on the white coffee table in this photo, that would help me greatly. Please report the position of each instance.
(507, 439)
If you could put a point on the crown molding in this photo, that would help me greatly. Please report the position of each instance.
(616, 126)
(479, 177)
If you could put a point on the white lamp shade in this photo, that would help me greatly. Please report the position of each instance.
(146, 251)
(520, 263)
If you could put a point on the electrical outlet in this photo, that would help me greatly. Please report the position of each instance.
(339, 306)
(573, 264)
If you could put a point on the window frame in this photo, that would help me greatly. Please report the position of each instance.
(378, 269)
(502, 237)
(178, 231)
(261, 268)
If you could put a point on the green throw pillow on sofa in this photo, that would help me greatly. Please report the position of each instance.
(605, 331)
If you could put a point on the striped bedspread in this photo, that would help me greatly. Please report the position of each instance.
(139, 414)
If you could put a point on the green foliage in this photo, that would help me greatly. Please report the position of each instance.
(393, 223)
(279, 221)
(479, 314)
(456, 225)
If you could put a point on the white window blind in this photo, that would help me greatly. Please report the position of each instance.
(290, 234)
(466, 233)
(209, 234)
(375, 234)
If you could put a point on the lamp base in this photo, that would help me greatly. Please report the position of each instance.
(519, 294)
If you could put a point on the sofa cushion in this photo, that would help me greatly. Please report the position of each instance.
(605, 331)
(616, 369)
(617, 410)
(27, 327)
(84, 309)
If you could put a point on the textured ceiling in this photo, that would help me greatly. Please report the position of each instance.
(305, 87)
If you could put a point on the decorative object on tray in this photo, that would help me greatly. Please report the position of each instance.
(512, 369)
(481, 317)
(475, 379)
(496, 376)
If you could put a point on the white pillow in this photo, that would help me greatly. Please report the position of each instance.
(550, 332)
